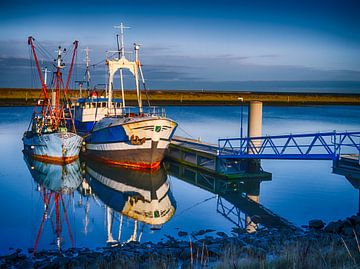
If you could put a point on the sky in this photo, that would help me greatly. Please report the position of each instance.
(186, 44)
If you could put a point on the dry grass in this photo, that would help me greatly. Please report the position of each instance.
(331, 251)
(187, 97)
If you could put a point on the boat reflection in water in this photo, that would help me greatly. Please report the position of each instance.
(56, 184)
(141, 195)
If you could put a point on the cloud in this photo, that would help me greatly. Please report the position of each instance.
(221, 71)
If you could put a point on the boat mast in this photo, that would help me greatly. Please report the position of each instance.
(123, 63)
(87, 71)
(43, 85)
(58, 83)
(136, 48)
(75, 43)
(121, 54)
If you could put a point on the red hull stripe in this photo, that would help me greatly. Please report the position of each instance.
(53, 160)
(132, 165)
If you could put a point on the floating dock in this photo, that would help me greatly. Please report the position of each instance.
(204, 156)
(349, 166)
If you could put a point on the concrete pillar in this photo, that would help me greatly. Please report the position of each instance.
(254, 130)
(255, 122)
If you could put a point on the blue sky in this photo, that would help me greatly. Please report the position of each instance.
(195, 44)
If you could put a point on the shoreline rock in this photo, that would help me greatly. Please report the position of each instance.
(265, 243)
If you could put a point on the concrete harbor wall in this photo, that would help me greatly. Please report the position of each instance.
(23, 97)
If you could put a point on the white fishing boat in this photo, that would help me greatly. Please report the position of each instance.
(92, 108)
(135, 137)
(51, 136)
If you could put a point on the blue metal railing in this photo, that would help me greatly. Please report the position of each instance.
(318, 146)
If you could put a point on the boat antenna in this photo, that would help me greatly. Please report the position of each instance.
(144, 85)
(45, 70)
(87, 71)
(121, 54)
(137, 64)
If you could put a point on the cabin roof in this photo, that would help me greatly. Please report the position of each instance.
(97, 100)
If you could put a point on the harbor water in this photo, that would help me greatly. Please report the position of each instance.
(94, 207)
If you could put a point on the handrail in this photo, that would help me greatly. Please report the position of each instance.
(326, 145)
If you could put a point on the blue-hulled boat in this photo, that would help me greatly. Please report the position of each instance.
(135, 137)
(88, 111)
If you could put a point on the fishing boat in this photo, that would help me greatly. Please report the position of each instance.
(135, 137)
(51, 135)
(92, 108)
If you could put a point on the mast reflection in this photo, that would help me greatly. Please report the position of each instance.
(56, 184)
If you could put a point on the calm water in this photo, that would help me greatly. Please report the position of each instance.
(89, 210)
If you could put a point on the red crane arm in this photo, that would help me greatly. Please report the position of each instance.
(71, 66)
(43, 86)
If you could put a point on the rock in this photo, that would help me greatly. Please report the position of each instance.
(316, 224)
(11, 257)
(185, 254)
(214, 250)
(221, 234)
(182, 233)
(237, 230)
(334, 227)
(169, 237)
(202, 232)
(348, 231)
(355, 219)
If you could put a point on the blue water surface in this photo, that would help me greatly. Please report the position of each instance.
(299, 190)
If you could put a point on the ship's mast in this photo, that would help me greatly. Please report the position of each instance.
(122, 27)
(123, 63)
(87, 72)
(58, 84)
(137, 65)
(43, 85)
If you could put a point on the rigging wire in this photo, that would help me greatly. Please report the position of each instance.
(187, 133)
(41, 47)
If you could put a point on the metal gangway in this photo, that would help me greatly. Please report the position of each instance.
(312, 146)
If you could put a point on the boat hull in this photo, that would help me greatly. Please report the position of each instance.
(138, 143)
(58, 148)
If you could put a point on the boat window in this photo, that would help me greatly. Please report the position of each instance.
(93, 105)
(104, 104)
(98, 104)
